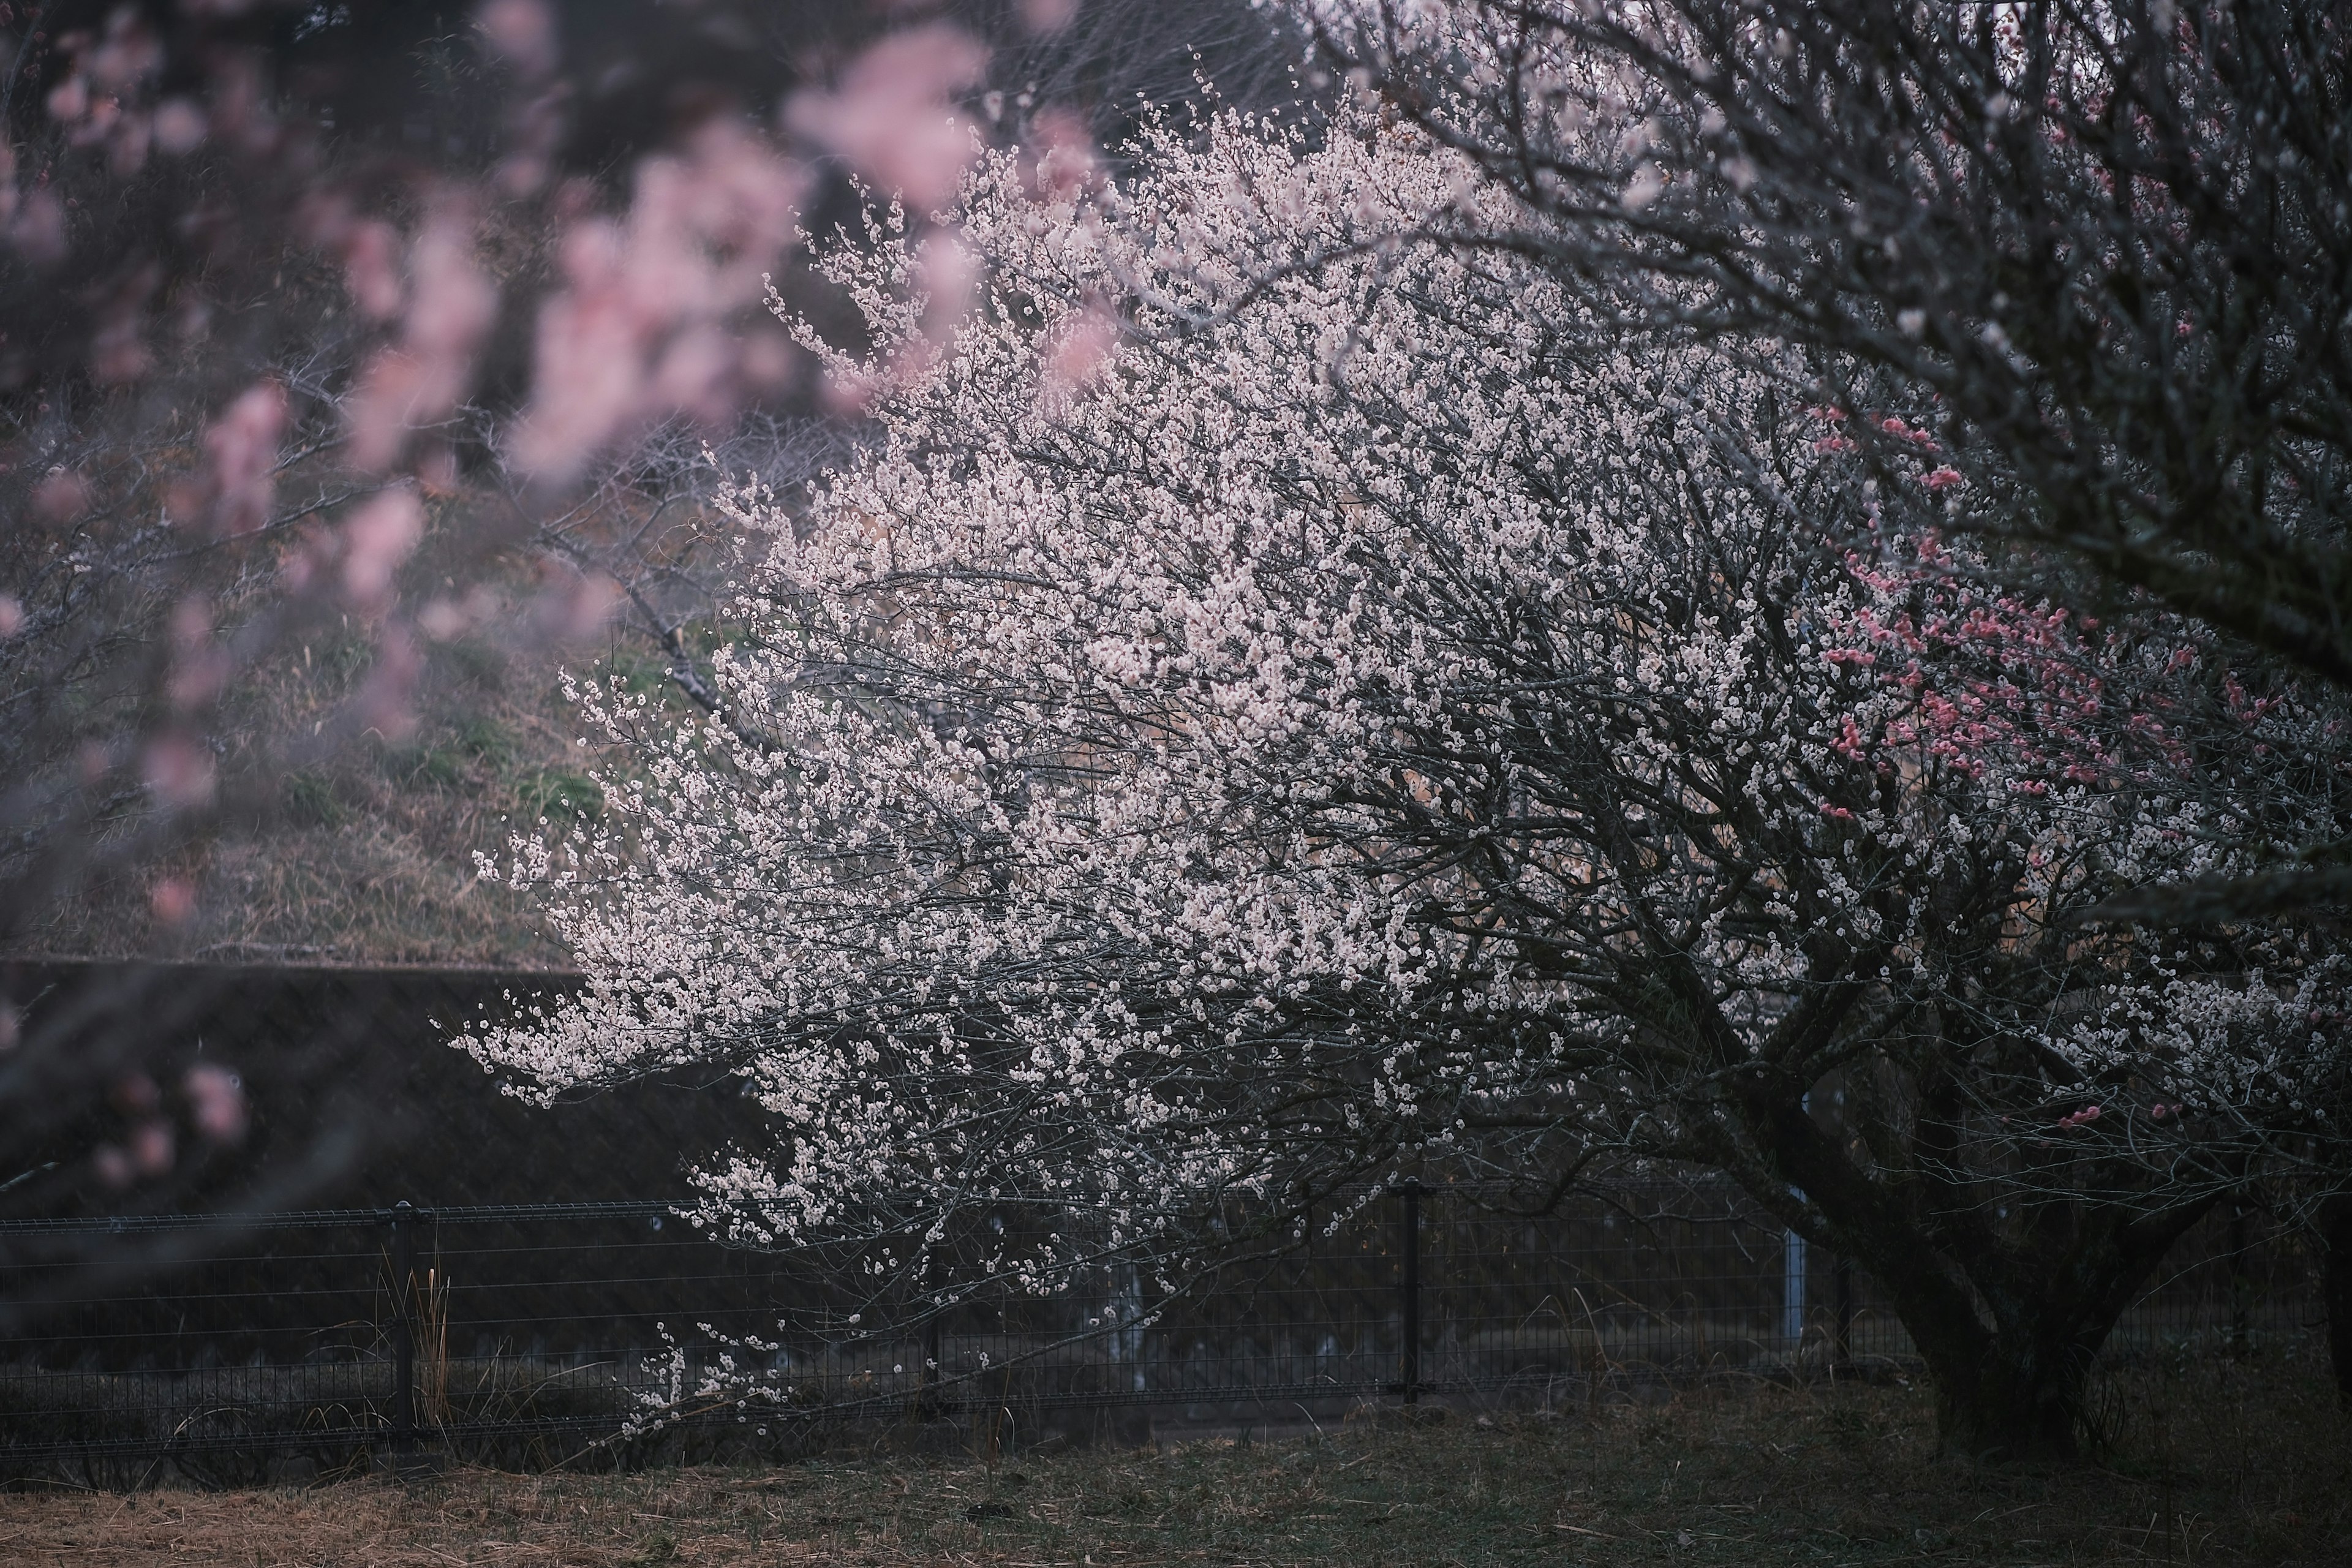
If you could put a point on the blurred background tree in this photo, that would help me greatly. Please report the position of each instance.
(360, 363)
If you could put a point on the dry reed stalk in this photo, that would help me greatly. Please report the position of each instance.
(432, 1315)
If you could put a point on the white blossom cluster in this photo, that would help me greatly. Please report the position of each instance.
(1286, 698)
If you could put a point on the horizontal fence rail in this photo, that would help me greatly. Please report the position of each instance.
(301, 1341)
(326, 1219)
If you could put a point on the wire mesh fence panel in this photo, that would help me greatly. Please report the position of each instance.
(527, 1333)
(1642, 1282)
(267, 1335)
(2236, 1276)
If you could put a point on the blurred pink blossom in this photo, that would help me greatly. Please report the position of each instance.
(444, 618)
(69, 100)
(522, 32)
(200, 666)
(372, 269)
(151, 1148)
(301, 566)
(572, 606)
(1066, 158)
(768, 359)
(441, 620)
(243, 444)
(946, 279)
(377, 538)
(216, 1098)
(639, 329)
(451, 304)
(892, 115)
(172, 900)
(948, 272)
(385, 701)
(12, 615)
(693, 372)
(180, 127)
(1077, 355)
(129, 53)
(60, 496)
(38, 231)
(1048, 16)
(178, 770)
(588, 369)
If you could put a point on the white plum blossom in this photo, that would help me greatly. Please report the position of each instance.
(1385, 713)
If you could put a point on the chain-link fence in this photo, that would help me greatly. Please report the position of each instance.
(298, 1342)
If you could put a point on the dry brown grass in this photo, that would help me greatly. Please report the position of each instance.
(366, 853)
(2208, 1464)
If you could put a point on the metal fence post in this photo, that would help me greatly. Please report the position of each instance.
(1409, 1349)
(1793, 1289)
(404, 1330)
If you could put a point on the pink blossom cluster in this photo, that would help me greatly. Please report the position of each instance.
(1989, 675)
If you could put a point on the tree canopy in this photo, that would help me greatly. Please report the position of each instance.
(1294, 697)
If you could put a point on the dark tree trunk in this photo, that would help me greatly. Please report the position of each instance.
(2012, 1388)
(2008, 1289)
(2013, 1400)
(2010, 1322)
(2335, 1287)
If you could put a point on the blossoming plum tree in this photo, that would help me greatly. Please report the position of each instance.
(1282, 705)
(2104, 245)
